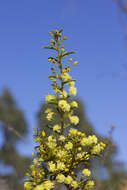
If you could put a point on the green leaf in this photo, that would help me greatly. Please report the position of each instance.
(48, 47)
(68, 53)
(73, 80)
(52, 76)
(61, 31)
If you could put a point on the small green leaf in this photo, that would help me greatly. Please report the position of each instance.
(68, 53)
(48, 47)
(52, 76)
(73, 80)
(61, 31)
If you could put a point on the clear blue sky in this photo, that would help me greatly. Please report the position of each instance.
(94, 31)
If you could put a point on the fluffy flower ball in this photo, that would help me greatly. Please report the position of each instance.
(74, 119)
(64, 105)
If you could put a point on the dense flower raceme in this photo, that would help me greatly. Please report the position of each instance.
(59, 154)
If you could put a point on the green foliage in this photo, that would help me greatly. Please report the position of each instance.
(14, 127)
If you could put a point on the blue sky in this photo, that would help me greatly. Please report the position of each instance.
(94, 30)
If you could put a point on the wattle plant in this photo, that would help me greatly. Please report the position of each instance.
(64, 155)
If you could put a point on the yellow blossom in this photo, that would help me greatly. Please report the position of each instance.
(27, 185)
(69, 146)
(74, 104)
(60, 178)
(86, 172)
(74, 184)
(48, 110)
(47, 185)
(50, 116)
(60, 165)
(74, 119)
(57, 128)
(73, 90)
(63, 94)
(75, 63)
(64, 105)
(52, 166)
(66, 76)
(33, 154)
(50, 98)
(96, 149)
(71, 83)
(90, 183)
(43, 134)
(73, 131)
(52, 41)
(62, 138)
(68, 180)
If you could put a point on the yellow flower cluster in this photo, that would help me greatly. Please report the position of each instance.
(47, 185)
(86, 172)
(57, 128)
(64, 105)
(59, 155)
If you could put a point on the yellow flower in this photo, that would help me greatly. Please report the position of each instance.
(35, 161)
(62, 138)
(71, 83)
(92, 139)
(68, 180)
(102, 145)
(57, 128)
(52, 166)
(27, 185)
(88, 141)
(43, 134)
(47, 185)
(33, 154)
(73, 131)
(96, 149)
(75, 63)
(73, 90)
(60, 178)
(64, 105)
(62, 49)
(49, 59)
(51, 142)
(50, 98)
(70, 59)
(86, 172)
(50, 116)
(60, 165)
(66, 169)
(74, 104)
(90, 183)
(61, 153)
(74, 184)
(52, 41)
(63, 94)
(79, 155)
(48, 110)
(66, 76)
(74, 119)
(79, 148)
(69, 146)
